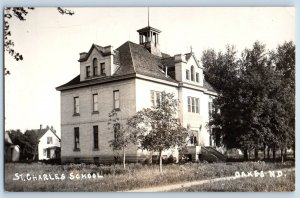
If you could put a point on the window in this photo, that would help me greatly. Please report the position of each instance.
(192, 73)
(187, 74)
(88, 71)
(189, 104)
(76, 105)
(193, 104)
(95, 65)
(49, 140)
(44, 152)
(116, 100)
(193, 139)
(102, 68)
(210, 109)
(197, 105)
(155, 98)
(76, 139)
(48, 153)
(96, 139)
(116, 130)
(95, 102)
(197, 77)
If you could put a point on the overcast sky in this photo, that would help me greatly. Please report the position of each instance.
(51, 43)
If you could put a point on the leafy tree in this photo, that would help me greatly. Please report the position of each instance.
(158, 128)
(256, 109)
(19, 13)
(28, 143)
(122, 135)
(30, 147)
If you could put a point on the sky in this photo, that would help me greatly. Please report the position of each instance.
(51, 43)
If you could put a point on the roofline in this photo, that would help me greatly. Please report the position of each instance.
(51, 131)
(95, 82)
(148, 28)
(140, 76)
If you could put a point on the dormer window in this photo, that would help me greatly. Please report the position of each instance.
(88, 71)
(197, 77)
(95, 65)
(102, 68)
(187, 74)
(192, 73)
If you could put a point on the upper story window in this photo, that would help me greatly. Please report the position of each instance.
(88, 71)
(49, 140)
(95, 102)
(95, 67)
(116, 99)
(76, 105)
(193, 104)
(76, 139)
(197, 77)
(155, 98)
(187, 74)
(102, 68)
(192, 73)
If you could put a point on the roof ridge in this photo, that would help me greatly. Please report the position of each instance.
(131, 56)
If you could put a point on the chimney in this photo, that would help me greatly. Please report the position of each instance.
(41, 126)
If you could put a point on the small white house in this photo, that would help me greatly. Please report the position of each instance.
(49, 143)
(12, 152)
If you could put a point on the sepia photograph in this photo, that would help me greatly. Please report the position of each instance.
(149, 99)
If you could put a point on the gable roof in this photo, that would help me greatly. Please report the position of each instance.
(41, 132)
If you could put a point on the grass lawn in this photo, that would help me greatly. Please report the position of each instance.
(259, 184)
(117, 179)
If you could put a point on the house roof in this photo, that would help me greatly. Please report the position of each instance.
(133, 59)
(7, 139)
(41, 132)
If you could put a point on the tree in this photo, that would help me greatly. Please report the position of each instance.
(158, 128)
(122, 135)
(19, 13)
(28, 143)
(256, 110)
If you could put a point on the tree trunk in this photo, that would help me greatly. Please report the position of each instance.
(281, 155)
(256, 154)
(268, 152)
(160, 162)
(264, 152)
(245, 154)
(274, 153)
(124, 157)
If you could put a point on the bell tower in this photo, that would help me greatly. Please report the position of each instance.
(148, 37)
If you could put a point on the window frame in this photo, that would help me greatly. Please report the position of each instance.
(95, 103)
(76, 139)
(96, 137)
(187, 74)
(88, 71)
(192, 73)
(116, 100)
(76, 106)
(197, 77)
(156, 98)
(102, 69)
(95, 67)
(189, 104)
(48, 140)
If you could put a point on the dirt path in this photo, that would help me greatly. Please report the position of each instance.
(193, 183)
